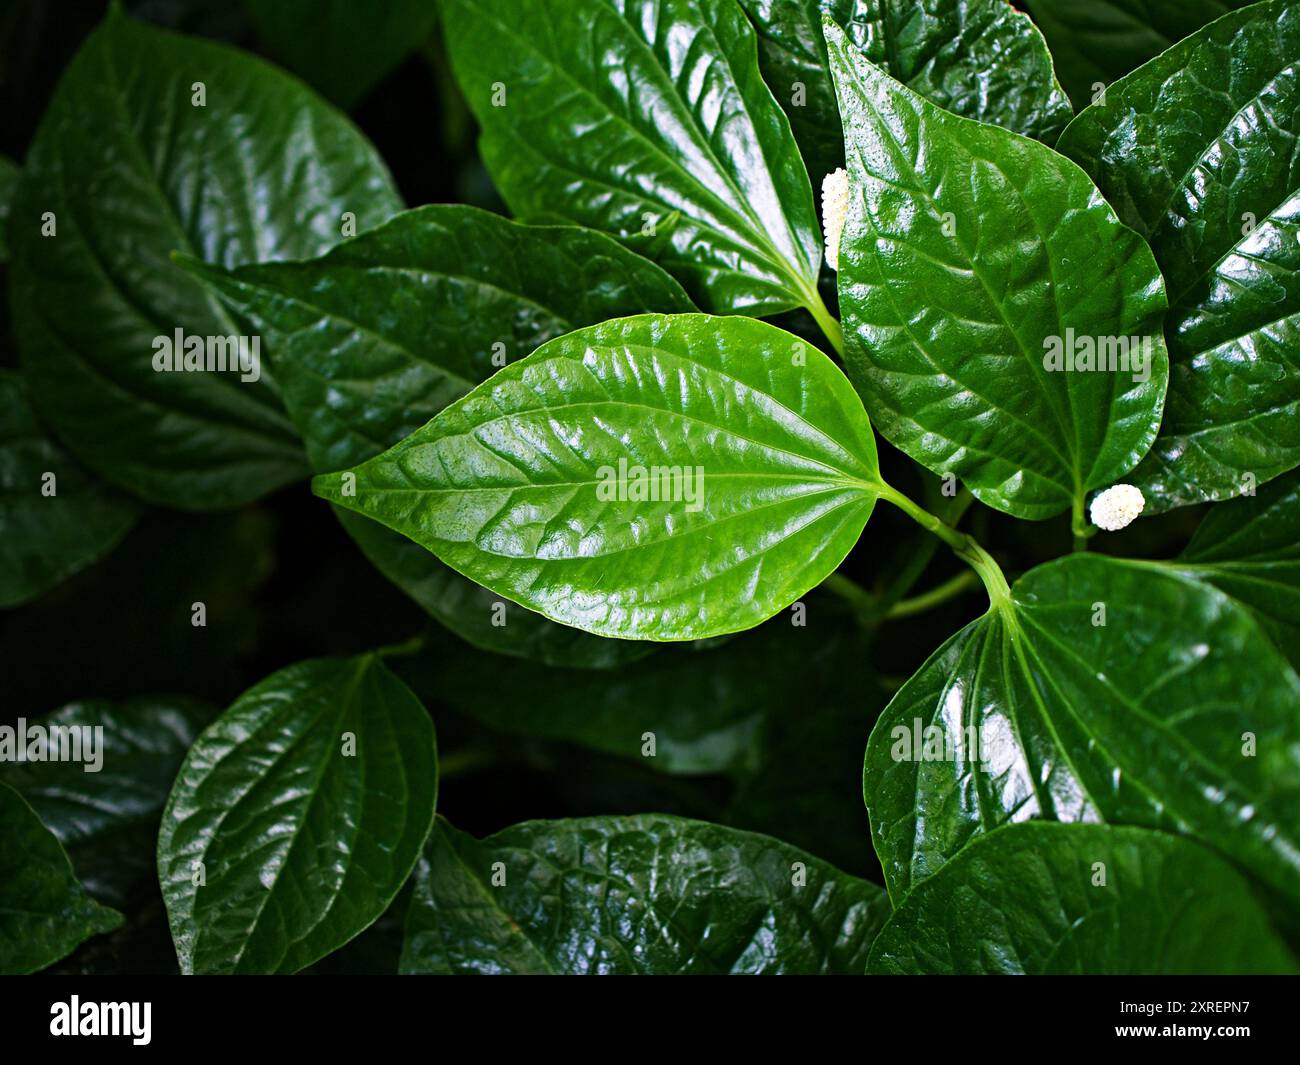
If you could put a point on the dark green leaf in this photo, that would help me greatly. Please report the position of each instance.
(340, 46)
(532, 484)
(128, 169)
(1196, 150)
(107, 819)
(1097, 41)
(647, 894)
(54, 518)
(978, 58)
(8, 179)
(300, 844)
(621, 114)
(44, 913)
(1250, 549)
(967, 251)
(1094, 899)
(376, 337)
(1104, 690)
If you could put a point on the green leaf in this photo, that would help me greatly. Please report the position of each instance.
(978, 58)
(127, 169)
(538, 484)
(1196, 150)
(1044, 898)
(44, 914)
(967, 254)
(377, 336)
(301, 844)
(1249, 548)
(339, 46)
(1104, 690)
(8, 179)
(647, 894)
(54, 518)
(732, 709)
(107, 817)
(621, 114)
(1100, 40)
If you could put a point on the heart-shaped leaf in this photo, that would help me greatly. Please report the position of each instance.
(1094, 899)
(647, 894)
(974, 265)
(1250, 549)
(662, 477)
(373, 339)
(978, 58)
(647, 119)
(1093, 42)
(44, 914)
(105, 810)
(1212, 179)
(296, 817)
(54, 518)
(1103, 690)
(155, 142)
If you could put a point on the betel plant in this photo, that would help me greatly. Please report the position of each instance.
(570, 439)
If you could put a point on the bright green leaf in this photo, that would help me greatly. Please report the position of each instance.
(969, 256)
(54, 518)
(1096, 41)
(1105, 690)
(301, 810)
(1074, 899)
(662, 477)
(646, 894)
(44, 913)
(1196, 150)
(127, 168)
(978, 58)
(107, 817)
(624, 115)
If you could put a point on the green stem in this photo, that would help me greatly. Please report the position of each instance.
(864, 604)
(1079, 524)
(465, 761)
(941, 593)
(825, 320)
(964, 546)
(405, 649)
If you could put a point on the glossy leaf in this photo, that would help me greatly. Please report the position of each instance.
(54, 518)
(1105, 690)
(538, 483)
(1094, 899)
(967, 249)
(300, 843)
(44, 914)
(1196, 150)
(8, 179)
(623, 115)
(107, 819)
(1249, 548)
(377, 336)
(978, 58)
(127, 169)
(1097, 41)
(339, 46)
(647, 894)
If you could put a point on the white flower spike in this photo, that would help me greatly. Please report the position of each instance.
(835, 208)
(1117, 506)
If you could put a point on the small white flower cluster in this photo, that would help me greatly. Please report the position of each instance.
(1117, 506)
(835, 208)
